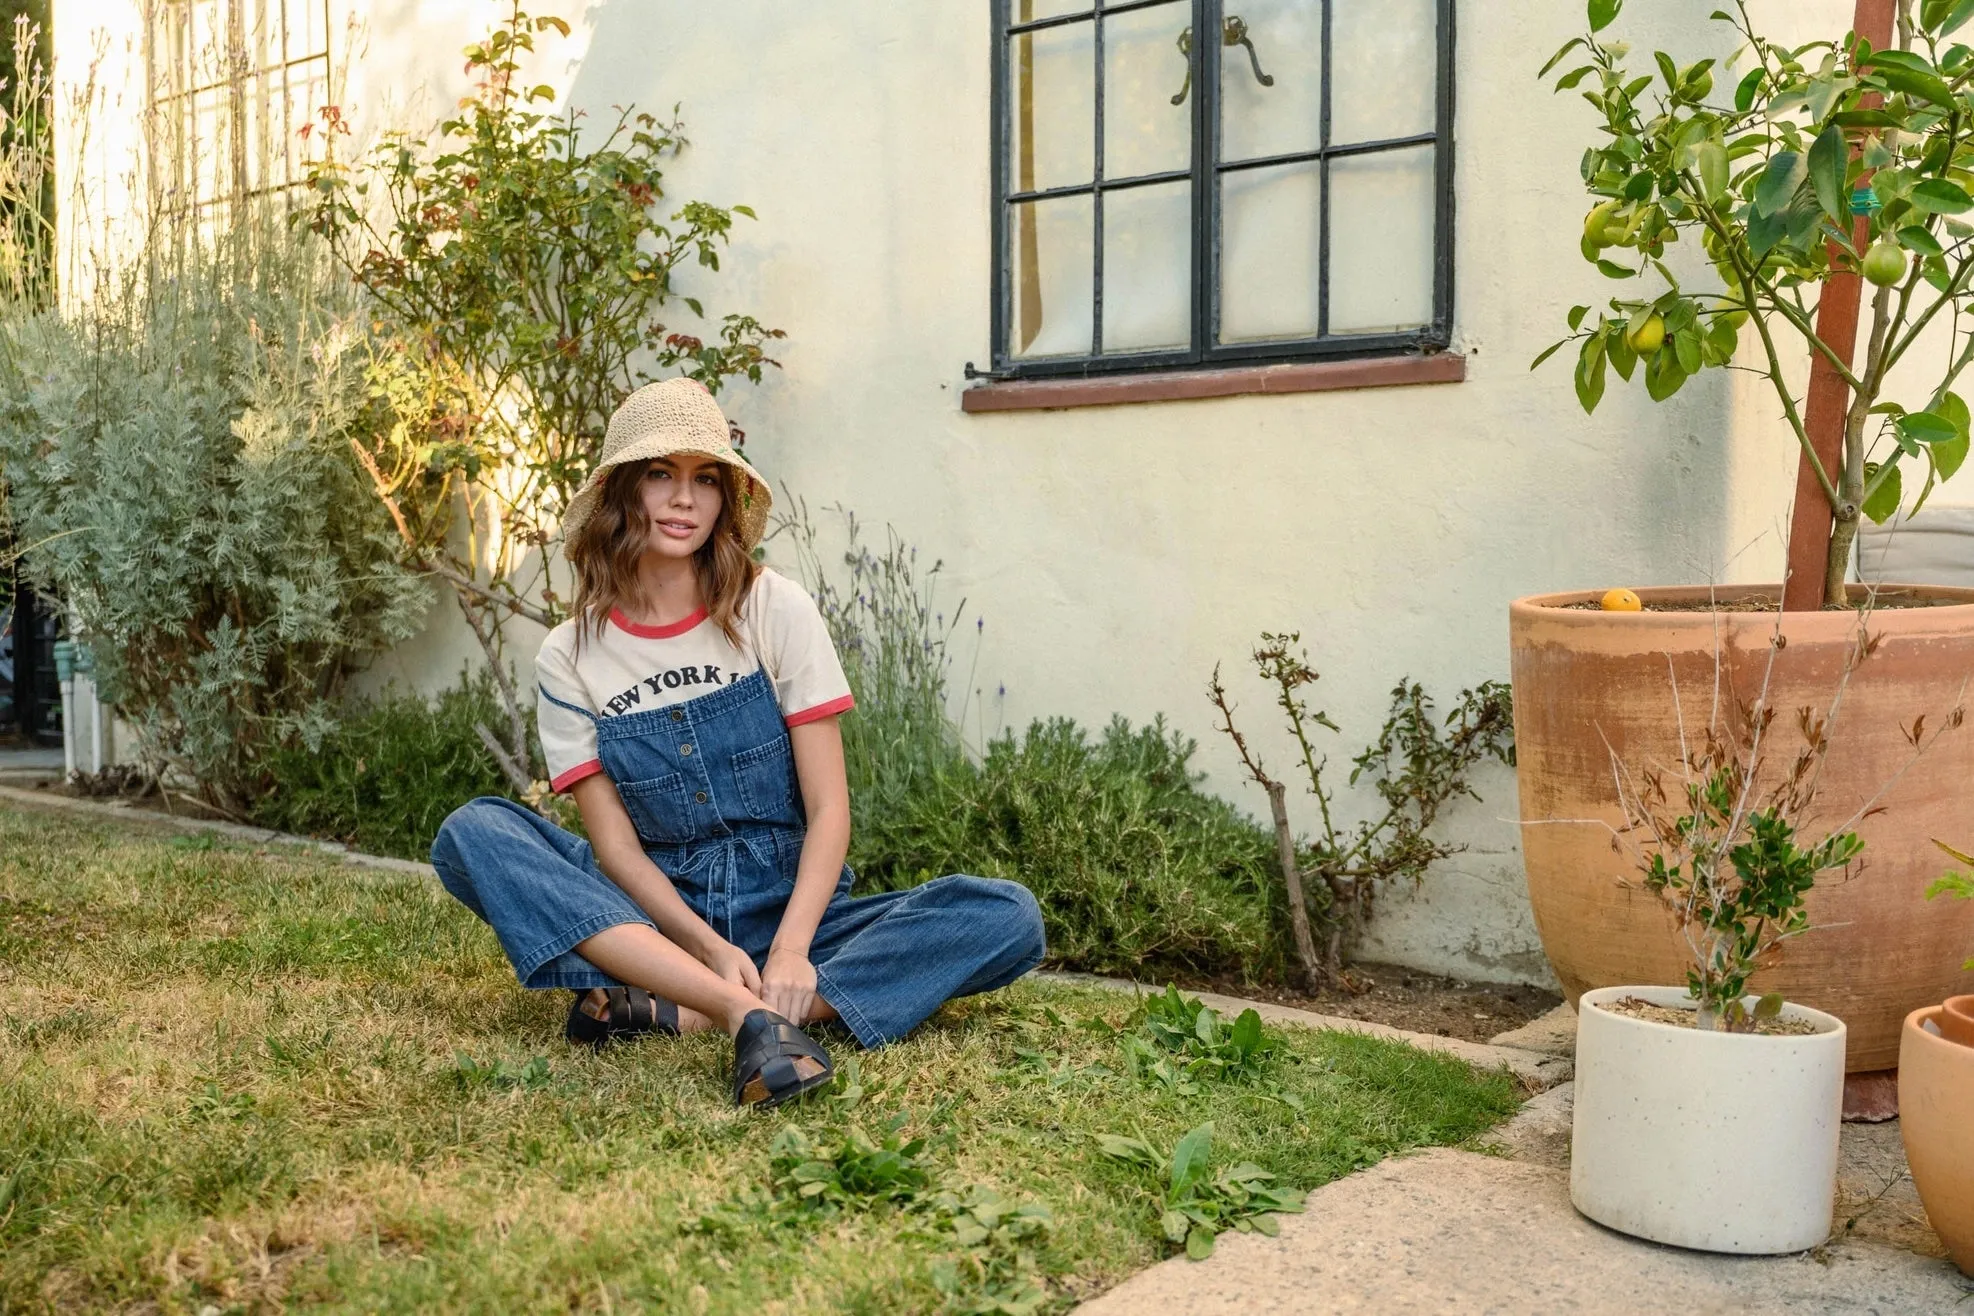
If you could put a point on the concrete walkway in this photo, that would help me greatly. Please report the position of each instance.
(1452, 1231)
(1449, 1231)
(24, 767)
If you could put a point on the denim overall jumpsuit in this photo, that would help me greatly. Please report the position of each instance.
(710, 785)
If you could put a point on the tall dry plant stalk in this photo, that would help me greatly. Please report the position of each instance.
(27, 176)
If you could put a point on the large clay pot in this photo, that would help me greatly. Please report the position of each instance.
(1594, 686)
(1936, 1118)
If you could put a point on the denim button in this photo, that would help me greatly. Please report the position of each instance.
(685, 749)
(676, 715)
(700, 797)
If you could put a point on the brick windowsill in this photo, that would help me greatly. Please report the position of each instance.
(1175, 385)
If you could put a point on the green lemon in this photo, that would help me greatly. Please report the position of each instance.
(1648, 337)
(1596, 224)
(1884, 264)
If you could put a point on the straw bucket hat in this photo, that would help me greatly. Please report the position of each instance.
(658, 420)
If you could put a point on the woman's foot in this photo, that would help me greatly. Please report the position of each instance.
(597, 1006)
(774, 1061)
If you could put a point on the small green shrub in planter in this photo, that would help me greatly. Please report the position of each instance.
(389, 772)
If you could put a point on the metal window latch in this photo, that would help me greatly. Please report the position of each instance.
(1233, 32)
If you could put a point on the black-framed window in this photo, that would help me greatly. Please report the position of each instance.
(1283, 192)
(236, 87)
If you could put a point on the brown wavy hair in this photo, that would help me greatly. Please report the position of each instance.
(610, 545)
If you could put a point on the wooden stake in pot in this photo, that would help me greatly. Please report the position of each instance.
(1828, 409)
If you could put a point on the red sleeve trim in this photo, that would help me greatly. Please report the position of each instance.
(575, 774)
(821, 711)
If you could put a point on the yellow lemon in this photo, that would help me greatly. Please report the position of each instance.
(1648, 337)
(1620, 600)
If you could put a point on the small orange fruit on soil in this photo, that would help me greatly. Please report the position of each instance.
(1621, 600)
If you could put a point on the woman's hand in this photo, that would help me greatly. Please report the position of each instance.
(733, 964)
(788, 984)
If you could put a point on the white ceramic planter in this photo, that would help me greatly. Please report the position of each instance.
(1723, 1142)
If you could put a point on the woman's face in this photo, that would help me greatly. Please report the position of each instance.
(682, 497)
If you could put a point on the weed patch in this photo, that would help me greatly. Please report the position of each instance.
(1197, 1203)
(847, 1169)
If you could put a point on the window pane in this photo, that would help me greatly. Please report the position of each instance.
(1386, 70)
(1257, 120)
(1144, 132)
(1381, 241)
(1148, 296)
(1268, 252)
(1025, 11)
(1049, 256)
(1051, 107)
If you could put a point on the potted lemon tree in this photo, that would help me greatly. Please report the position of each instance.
(1795, 171)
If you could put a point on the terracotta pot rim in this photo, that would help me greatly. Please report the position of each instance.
(1562, 601)
(1827, 1025)
(1931, 1014)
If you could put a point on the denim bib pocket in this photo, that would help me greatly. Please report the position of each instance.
(765, 776)
(658, 809)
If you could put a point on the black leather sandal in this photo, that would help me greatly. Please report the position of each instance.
(766, 1052)
(634, 1012)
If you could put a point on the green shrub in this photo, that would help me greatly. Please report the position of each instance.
(389, 772)
(1136, 869)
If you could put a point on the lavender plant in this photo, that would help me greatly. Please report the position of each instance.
(178, 459)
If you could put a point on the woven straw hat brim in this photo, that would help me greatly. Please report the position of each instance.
(751, 516)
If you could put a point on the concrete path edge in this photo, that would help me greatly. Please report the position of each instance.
(122, 812)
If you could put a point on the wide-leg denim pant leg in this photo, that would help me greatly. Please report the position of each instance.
(536, 885)
(887, 961)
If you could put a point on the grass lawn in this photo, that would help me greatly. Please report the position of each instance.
(238, 1081)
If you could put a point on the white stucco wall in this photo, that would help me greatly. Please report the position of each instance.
(1117, 554)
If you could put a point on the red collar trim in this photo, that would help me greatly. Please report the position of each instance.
(623, 623)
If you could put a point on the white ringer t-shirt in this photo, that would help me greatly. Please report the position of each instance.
(630, 668)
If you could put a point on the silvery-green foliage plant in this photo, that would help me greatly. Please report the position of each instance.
(178, 454)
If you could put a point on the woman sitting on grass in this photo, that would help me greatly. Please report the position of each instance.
(690, 707)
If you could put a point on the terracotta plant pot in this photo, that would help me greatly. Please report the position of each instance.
(1590, 684)
(1957, 1020)
(1725, 1142)
(1936, 1118)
